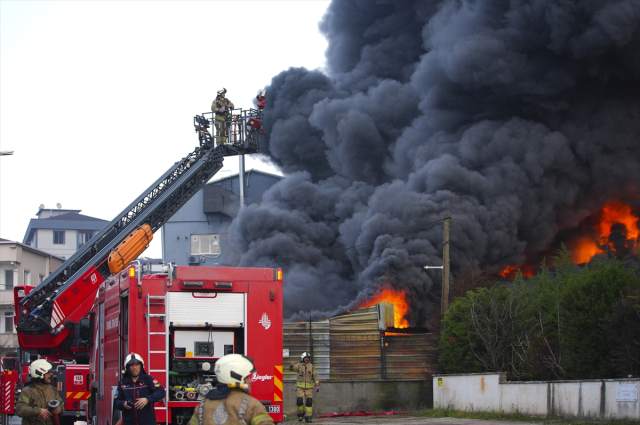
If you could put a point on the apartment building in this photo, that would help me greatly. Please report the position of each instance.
(61, 232)
(20, 264)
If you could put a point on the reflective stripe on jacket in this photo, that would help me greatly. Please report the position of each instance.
(32, 399)
(307, 375)
(218, 103)
(238, 408)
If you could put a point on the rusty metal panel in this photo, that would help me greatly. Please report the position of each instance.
(355, 356)
(355, 345)
(410, 356)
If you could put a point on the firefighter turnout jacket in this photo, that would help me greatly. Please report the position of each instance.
(221, 106)
(307, 375)
(34, 397)
(144, 387)
(229, 406)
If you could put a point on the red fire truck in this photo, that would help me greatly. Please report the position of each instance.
(9, 377)
(69, 379)
(91, 307)
(182, 321)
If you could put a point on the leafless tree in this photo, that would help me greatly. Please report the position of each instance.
(497, 317)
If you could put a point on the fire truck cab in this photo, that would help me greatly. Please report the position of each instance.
(181, 322)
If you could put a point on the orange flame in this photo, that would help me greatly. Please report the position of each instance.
(509, 272)
(585, 249)
(619, 213)
(392, 296)
(609, 215)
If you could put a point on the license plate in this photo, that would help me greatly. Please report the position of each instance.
(275, 408)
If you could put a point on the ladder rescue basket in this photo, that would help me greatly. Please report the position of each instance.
(130, 248)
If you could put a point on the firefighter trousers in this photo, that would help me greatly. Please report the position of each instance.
(222, 129)
(304, 401)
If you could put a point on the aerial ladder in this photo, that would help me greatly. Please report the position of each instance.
(48, 316)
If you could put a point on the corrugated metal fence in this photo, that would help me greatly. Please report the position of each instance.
(352, 347)
(312, 337)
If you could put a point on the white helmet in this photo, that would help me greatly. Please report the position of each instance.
(223, 91)
(233, 369)
(39, 368)
(133, 358)
(303, 355)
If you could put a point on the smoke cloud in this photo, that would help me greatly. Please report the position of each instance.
(518, 118)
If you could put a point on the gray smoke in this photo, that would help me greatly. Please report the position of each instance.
(519, 118)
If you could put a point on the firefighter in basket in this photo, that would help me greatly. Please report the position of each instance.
(136, 393)
(222, 108)
(230, 402)
(307, 377)
(39, 402)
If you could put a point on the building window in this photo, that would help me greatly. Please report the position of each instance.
(58, 237)
(84, 236)
(8, 321)
(27, 277)
(8, 279)
(205, 245)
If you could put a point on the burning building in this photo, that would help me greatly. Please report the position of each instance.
(362, 344)
(521, 119)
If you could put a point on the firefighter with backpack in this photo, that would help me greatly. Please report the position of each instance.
(230, 402)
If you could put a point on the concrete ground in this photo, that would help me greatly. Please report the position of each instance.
(404, 420)
(380, 420)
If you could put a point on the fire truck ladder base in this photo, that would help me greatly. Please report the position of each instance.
(157, 300)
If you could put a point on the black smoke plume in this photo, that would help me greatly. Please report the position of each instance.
(519, 118)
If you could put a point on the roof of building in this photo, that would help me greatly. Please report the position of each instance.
(248, 172)
(52, 210)
(68, 221)
(29, 248)
(71, 216)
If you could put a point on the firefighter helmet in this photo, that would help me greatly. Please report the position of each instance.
(133, 358)
(303, 355)
(39, 368)
(234, 368)
(222, 91)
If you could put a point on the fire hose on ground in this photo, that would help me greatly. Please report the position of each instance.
(363, 413)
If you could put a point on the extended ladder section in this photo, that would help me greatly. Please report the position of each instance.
(157, 338)
(57, 299)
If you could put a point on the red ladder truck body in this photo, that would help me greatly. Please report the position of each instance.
(180, 322)
(54, 319)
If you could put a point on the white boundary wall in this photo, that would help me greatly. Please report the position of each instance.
(573, 399)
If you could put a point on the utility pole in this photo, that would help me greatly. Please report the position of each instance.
(445, 264)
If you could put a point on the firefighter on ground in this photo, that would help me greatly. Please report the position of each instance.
(34, 399)
(230, 402)
(136, 393)
(222, 108)
(307, 377)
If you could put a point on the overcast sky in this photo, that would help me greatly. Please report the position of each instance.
(97, 98)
